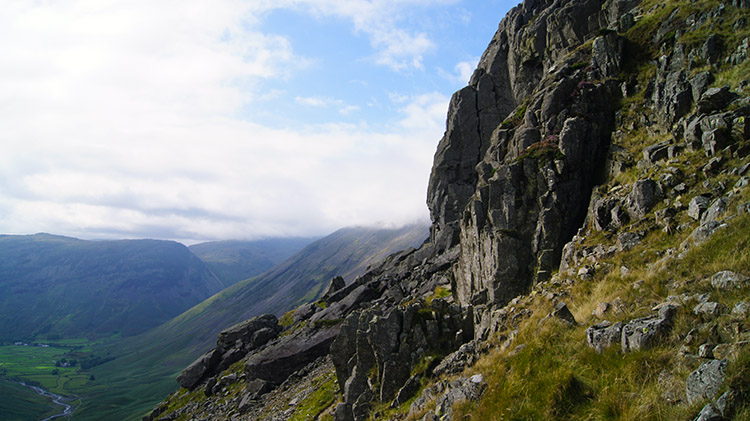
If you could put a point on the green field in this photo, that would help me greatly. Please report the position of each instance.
(36, 365)
(22, 403)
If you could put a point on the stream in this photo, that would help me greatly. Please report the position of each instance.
(57, 399)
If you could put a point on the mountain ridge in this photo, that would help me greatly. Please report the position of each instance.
(589, 199)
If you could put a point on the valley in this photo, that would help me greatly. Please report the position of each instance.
(123, 376)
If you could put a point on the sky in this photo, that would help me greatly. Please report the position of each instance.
(195, 120)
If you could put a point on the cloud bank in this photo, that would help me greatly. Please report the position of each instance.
(124, 119)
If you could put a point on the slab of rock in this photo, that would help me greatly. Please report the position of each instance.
(195, 372)
(714, 212)
(276, 362)
(727, 279)
(643, 333)
(705, 381)
(710, 309)
(645, 194)
(603, 335)
(715, 99)
(244, 331)
(698, 205)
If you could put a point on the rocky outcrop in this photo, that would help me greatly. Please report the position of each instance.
(376, 351)
(231, 346)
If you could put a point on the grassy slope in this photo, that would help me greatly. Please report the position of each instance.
(53, 286)
(234, 261)
(22, 403)
(556, 376)
(147, 364)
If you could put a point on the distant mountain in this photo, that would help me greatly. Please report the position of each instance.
(153, 359)
(234, 261)
(56, 286)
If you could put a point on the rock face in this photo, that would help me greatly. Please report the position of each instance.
(524, 144)
(231, 346)
(375, 352)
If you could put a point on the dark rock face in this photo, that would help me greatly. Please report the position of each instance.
(377, 348)
(231, 346)
(518, 192)
(277, 361)
(196, 371)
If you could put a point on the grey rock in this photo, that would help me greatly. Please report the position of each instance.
(195, 372)
(643, 333)
(244, 331)
(726, 403)
(257, 388)
(709, 413)
(705, 381)
(715, 211)
(727, 279)
(741, 309)
(336, 284)
(276, 362)
(562, 312)
(304, 312)
(407, 391)
(715, 99)
(642, 198)
(698, 205)
(700, 84)
(656, 152)
(710, 309)
(628, 240)
(606, 54)
(603, 335)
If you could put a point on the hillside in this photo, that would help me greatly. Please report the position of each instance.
(234, 261)
(145, 366)
(590, 202)
(58, 287)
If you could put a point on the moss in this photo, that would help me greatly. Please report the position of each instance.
(324, 395)
(543, 151)
(287, 319)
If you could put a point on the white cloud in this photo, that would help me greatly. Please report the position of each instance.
(462, 72)
(119, 121)
(396, 47)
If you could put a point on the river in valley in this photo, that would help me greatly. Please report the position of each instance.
(57, 399)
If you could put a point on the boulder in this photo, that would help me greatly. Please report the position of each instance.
(336, 284)
(727, 279)
(244, 331)
(705, 381)
(276, 362)
(698, 205)
(715, 99)
(645, 194)
(709, 309)
(603, 335)
(714, 212)
(643, 333)
(195, 372)
(656, 152)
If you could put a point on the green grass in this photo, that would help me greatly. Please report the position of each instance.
(35, 365)
(21, 403)
(325, 394)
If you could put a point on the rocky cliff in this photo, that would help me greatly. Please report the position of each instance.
(596, 157)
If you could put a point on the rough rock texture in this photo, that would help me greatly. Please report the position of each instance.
(376, 348)
(231, 346)
(524, 144)
(289, 354)
(706, 380)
